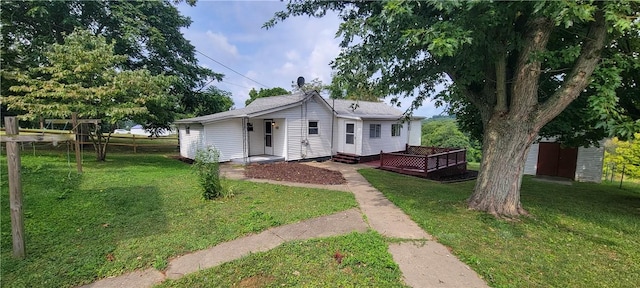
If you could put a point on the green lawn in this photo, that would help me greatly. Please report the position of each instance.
(310, 263)
(131, 212)
(583, 235)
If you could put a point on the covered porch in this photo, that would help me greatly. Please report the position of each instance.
(264, 140)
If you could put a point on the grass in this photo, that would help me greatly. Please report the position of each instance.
(583, 235)
(473, 166)
(311, 263)
(131, 212)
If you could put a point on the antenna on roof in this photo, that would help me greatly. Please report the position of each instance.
(300, 82)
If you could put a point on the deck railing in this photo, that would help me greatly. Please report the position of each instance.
(420, 161)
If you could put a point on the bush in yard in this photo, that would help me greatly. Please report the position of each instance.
(207, 166)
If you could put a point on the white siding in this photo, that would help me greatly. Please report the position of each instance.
(386, 142)
(190, 143)
(226, 136)
(589, 164)
(531, 164)
(256, 137)
(292, 132)
(415, 133)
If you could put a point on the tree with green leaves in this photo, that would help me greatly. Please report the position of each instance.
(501, 58)
(253, 94)
(444, 132)
(147, 32)
(83, 75)
(624, 156)
(313, 85)
(353, 85)
(210, 101)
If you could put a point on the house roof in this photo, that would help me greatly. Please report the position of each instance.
(343, 108)
(364, 110)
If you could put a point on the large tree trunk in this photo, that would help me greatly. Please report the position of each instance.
(504, 151)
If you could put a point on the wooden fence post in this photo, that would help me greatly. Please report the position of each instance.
(134, 143)
(15, 189)
(76, 143)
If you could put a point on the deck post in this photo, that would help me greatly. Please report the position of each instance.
(426, 164)
(381, 158)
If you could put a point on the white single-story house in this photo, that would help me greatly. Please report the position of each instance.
(299, 126)
(548, 158)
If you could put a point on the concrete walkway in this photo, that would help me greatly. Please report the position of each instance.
(423, 262)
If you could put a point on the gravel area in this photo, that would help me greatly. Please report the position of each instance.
(294, 172)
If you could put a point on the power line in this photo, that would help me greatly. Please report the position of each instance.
(227, 82)
(225, 66)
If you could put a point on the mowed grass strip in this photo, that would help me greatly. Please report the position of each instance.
(354, 260)
(131, 212)
(582, 235)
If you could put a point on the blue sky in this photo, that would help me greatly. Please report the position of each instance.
(231, 33)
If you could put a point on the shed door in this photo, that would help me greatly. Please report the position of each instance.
(556, 161)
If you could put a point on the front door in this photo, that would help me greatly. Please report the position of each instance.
(350, 138)
(268, 137)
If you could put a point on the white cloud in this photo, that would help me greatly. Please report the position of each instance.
(219, 42)
(232, 33)
(292, 55)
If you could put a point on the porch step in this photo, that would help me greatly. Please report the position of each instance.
(346, 158)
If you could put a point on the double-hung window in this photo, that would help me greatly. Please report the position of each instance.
(395, 129)
(374, 130)
(313, 128)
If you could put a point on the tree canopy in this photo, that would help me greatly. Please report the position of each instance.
(211, 100)
(253, 94)
(444, 132)
(518, 65)
(83, 75)
(624, 156)
(147, 32)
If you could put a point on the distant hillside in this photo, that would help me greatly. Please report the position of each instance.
(439, 118)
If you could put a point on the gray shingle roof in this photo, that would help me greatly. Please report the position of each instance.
(257, 106)
(365, 109)
(344, 108)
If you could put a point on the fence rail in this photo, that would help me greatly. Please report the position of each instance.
(130, 142)
(420, 160)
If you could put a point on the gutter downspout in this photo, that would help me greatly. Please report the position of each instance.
(333, 117)
(245, 139)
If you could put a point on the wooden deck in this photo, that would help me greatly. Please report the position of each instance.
(426, 162)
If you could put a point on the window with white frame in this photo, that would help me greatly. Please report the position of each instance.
(313, 128)
(395, 129)
(374, 130)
